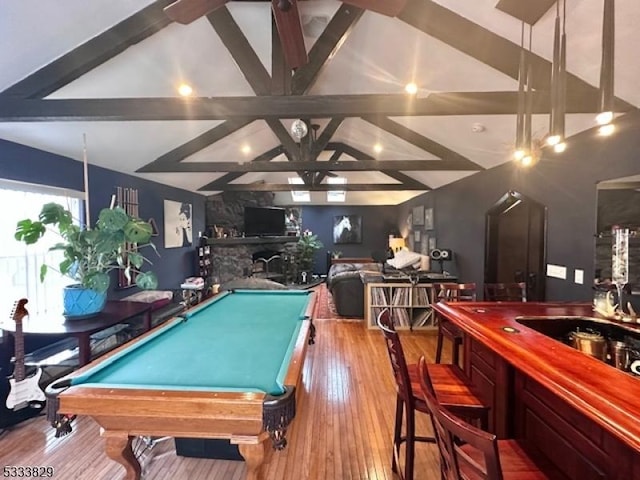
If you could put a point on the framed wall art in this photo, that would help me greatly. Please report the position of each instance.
(177, 224)
(347, 229)
(428, 219)
(418, 215)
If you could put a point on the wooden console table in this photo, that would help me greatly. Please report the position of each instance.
(113, 313)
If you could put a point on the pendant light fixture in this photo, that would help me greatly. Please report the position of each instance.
(605, 117)
(520, 151)
(524, 152)
(556, 137)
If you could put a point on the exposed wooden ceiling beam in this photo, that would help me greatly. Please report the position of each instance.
(325, 47)
(230, 177)
(323, 187)
(92, 53)
(529, 12)
(407, 181)
(390, 8)
(172, 158)
(486, 46)
(331, 165)
(328, 132)
(420, 141)
(308, 106)
(241, 50)
(320, 176)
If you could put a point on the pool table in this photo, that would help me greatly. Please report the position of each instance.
(227, 369)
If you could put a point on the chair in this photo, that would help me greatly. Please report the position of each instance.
(452, 292)
(467, 452)
(505, 292)
(450, 384)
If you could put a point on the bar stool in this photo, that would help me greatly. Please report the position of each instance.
(505, 292)
(467, 452)
(450, 384)
(452, 292)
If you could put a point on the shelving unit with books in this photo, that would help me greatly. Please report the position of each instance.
(410, 304)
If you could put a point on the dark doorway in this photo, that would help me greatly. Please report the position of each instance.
(515, 243)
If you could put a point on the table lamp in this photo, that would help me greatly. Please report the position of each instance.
(396, 244)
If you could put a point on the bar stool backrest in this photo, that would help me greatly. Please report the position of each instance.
(455, 292)
(461, 445)
(505, 292)
(397, 358)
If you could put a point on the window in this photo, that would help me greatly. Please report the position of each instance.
(336, 195)
(19, 263)
(299, 195)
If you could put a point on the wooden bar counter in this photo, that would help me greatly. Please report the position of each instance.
(580, 412)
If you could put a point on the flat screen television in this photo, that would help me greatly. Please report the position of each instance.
(263, 221)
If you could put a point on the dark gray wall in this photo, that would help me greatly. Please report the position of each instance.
(565, 183)
(25, 164)
(377, 222)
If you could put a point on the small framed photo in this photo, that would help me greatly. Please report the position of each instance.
(428, 219)
(416, 236)
(418, 215)
(432, 243)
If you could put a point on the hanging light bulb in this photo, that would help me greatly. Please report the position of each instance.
(299, 129)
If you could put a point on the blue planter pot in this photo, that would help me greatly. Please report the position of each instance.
(81, 302)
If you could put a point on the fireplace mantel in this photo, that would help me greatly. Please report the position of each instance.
(232, 241)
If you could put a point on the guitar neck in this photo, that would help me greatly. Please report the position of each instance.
(18, 368)
(17, 314)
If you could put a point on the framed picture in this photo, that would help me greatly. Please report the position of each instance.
(416, 236)
(432, 243)
(418, 215)
(409, 220)
(347, 229)
(428, 219)
(177, 224)
(424, 245)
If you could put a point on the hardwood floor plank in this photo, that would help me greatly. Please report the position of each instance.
(343, 429)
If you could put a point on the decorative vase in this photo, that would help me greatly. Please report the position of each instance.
(80, 302)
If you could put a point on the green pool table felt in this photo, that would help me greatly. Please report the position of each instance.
(241, 341)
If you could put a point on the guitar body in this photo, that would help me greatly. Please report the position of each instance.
(20, 396)
(25, 391)
(10, 417)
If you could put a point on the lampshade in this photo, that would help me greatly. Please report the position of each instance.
(396, 244)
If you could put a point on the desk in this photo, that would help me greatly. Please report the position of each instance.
(113, 313)
(227, 370)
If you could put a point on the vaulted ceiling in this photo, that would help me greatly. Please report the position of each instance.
(110, 71)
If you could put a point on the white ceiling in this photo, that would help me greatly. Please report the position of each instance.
(380, 56)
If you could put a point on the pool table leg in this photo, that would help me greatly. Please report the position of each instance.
(118, 448)
(254, 455)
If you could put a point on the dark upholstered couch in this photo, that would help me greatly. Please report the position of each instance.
(346, 287)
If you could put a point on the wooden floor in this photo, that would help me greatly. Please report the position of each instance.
(343, 429)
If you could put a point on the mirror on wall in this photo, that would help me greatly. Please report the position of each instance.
(618, 205)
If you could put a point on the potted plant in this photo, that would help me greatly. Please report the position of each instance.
(90, 254)
(306, 248)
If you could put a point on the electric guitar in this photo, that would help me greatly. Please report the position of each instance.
(24, 397)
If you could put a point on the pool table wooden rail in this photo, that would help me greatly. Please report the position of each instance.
(124, 413)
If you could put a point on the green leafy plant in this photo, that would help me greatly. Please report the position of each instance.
(90, 254)
(306, 248)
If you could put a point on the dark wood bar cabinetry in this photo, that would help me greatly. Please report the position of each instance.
(580, 412)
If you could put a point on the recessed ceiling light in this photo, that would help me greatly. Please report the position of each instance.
(246, 149)
(377, 148)
(411, 88)
(560, 147)
(185, 90)
(604, 118)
